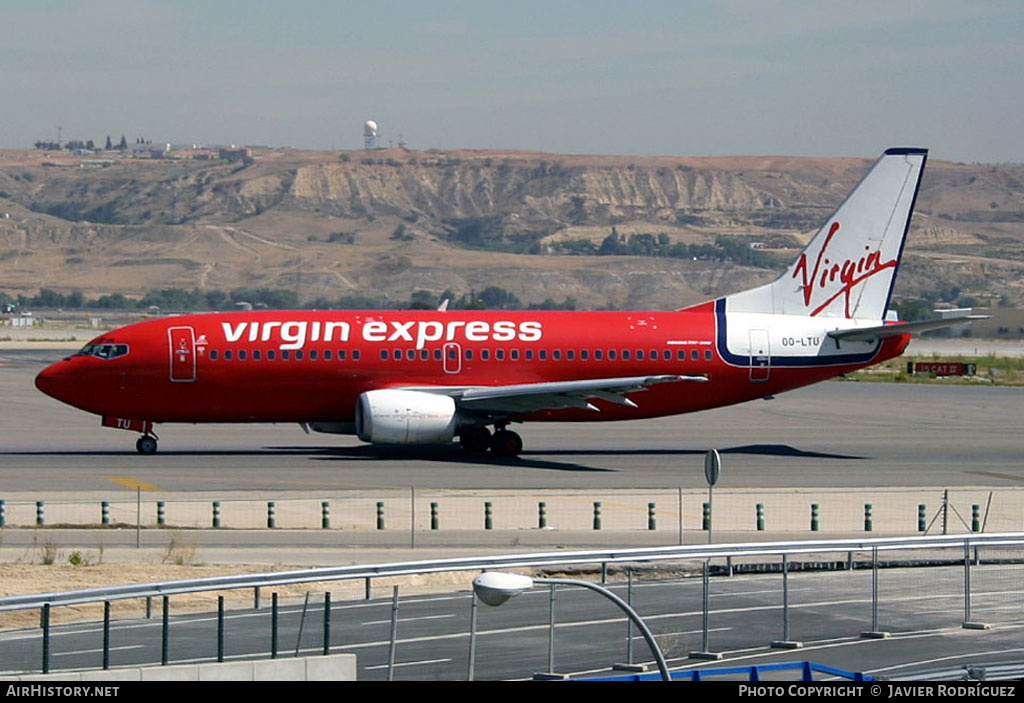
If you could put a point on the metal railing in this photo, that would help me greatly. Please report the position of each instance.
(990, 561)
(510, 561)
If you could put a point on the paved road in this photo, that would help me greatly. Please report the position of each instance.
(828, 611)
(833, 434)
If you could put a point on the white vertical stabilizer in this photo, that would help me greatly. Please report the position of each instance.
(848, 269)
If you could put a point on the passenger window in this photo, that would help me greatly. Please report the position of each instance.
(327, 354)
(396, 354)
(639, 354)
(256, 354)
(271, 355)
(543, 354)
(341, 355)
(383, 354)
(300, 355)
(437, 355)
(529, 354)
(242, 355)
(285, 355)
(694, 355)
(584, 354)
(681, 355)
(556, 354)
(625, 355)
(570, 354)
(485, 354)
(227, 355)
(667, 355)
(469, 354)
(707, 355)
(355, 355)
(499, 354)
(410, 354)
(424, 355)
(213, 355)
(611, 355)
(313, 355)
(514, 354)
(598, 354)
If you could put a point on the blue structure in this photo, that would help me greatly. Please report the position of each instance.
(806, 670)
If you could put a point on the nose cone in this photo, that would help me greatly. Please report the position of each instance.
(54, 381)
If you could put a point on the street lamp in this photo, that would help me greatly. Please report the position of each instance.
(495, 587)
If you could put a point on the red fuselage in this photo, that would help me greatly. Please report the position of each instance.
(311, 366)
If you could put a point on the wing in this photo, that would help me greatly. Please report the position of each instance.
(526, 398)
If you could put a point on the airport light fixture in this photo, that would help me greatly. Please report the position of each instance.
(495, 587)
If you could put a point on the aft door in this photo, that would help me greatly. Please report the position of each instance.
(760, 356)
(182, 341)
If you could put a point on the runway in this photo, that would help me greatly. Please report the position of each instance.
(834, 434)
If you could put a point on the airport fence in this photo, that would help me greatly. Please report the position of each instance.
(667, 514)
(786, 595)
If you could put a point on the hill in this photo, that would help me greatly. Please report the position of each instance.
(384, 224)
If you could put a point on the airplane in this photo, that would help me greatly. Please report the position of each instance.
(397, 377)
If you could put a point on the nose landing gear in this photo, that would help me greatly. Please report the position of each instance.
(146, 444)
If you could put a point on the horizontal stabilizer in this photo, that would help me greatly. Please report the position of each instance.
(869, 334)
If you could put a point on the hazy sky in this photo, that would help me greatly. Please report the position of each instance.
(670, 77)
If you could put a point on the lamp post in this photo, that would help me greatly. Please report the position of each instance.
(495, 587)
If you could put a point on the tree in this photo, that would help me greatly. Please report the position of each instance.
(110, 145)
(124, 144)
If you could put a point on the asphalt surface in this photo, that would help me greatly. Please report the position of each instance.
(834, 434)
(921, 610)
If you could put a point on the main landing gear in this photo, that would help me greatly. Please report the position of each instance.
(504, 443)
(146, 444)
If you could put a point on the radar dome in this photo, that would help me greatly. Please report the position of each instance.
(370, 127)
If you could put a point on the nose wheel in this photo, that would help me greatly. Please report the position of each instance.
(146, 444)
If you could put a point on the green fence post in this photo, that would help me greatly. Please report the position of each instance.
(597, 515)
(105, 512)
(433, 516)
(216, 513)
(922, 511)
(651, 524)
(160, 520)
(867, 517)
(706, 522)
(975, 518)
(542, 515)
(760, 517)
(380, 515)
(271, 514)
(325, 515)
(814, 517)
(488, 521)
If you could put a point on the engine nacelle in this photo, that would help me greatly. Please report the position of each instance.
(405, 417)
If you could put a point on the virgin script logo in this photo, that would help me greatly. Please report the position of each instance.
(847, 274)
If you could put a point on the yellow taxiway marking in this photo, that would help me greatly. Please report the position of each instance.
(132, 483)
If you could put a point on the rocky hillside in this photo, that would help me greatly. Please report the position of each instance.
(387, 223)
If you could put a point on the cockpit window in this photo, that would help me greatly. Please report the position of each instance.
(103, 351)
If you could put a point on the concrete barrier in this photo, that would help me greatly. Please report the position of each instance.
(334, 667)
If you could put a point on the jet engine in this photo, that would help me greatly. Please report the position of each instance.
(405, 417)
